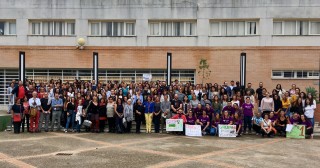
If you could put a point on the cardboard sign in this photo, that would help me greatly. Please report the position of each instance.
(297, 132)
(193, 130)
(174, 125)
(146, 77)
(227, 130)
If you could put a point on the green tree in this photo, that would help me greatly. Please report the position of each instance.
(204, 70)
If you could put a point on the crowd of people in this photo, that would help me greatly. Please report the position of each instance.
(90, 105)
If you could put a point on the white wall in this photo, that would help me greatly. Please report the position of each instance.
(143, 10)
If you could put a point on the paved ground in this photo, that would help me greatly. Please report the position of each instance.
(153, 150)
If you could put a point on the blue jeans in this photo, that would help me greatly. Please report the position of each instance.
(217, 111)
(78, 125)
(312, 121)
(71, 118)
(247, 123)
(213, 131)
(288, 114)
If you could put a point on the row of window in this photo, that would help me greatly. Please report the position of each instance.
(295, 74)
(164, 28)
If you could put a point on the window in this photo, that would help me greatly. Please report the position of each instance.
(109, 28)
(315, 28)
(175, 28)
(53, 28)
(295, 74)
(233, 28)
(296, 27)
(7, 28)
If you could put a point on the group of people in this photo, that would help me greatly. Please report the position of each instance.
(91, 105)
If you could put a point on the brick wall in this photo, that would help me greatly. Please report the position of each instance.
(224, 61)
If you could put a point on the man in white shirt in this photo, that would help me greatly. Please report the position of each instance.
(34, 103)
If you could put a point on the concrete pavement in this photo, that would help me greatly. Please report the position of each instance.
(153, 150)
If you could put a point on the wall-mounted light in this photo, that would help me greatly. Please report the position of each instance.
(81, 43)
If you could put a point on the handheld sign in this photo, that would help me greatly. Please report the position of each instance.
(193, 130)
(227, 130)
(297, 132)
(174, 125)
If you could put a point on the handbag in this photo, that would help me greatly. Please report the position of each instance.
(33, 112)
(17, 118)
(87, 123)
(124, 121)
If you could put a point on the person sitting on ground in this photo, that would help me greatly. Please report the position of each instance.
(304, 121)
(180, 115)
(215, 125)
(257, 120)
(191, 119)
(281, 123)
(266, 127)
(226, 119)
(295, 119)
(238, 122)
(204, 121)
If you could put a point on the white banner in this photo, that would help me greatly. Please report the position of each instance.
(227, 130)
(146, 77)
(174, 125)
(193, 130)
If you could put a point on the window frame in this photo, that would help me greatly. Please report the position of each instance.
(65, 32)
(184, 34)
(6, 27)
(297, 28)
(233, 26)
(309, 75)
(112, 29)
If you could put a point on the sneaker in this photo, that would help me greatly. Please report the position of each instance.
(65, 131)
(311, 136)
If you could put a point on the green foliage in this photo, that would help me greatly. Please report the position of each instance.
(204, 69)
(313, 92)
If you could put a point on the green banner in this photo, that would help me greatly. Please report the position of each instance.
(4, 122)
(297, 131)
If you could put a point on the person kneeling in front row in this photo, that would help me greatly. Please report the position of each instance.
(180, 115)
(204, 121)
(266, 127)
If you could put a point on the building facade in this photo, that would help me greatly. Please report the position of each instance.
(132, 37)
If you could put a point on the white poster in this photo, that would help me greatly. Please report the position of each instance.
(193, 130)
(146, 77)
(227, 130)
(174, 125)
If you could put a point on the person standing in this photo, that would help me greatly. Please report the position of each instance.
(165, 110)
(71, 114)
(267, 104)
(149, 109)
(94, 110)
(10, 97)
(111, 115)
(139, 112)
(56, 106)
(119, 116)
(102, 115)
(45, 112)
(20, 91)
(309, 110)
(128, 115)
(26, 115)
(247, 108)
(16, 112)
(34, 104)
(157, 115)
